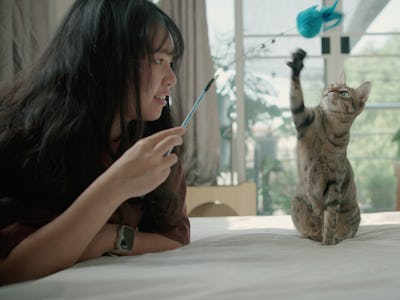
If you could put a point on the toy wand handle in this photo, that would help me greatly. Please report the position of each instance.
(195, 106)
(197, 103)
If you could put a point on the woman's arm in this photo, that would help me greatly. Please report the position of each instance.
(105, 241)
(151, 242)
(62, 242)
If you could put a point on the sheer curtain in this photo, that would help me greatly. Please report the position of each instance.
(202, 140)
(24, 31)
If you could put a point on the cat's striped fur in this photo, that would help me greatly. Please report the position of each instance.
(325, 208)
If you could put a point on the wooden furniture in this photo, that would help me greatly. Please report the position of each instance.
(212, 209)
(222, 200)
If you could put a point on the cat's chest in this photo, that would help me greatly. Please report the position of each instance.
(320, 157)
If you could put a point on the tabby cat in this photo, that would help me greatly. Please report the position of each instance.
(325, 208)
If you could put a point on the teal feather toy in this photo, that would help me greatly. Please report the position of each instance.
(310, 21)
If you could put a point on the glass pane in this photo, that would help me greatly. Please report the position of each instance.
(275, 74)
(371, 135)
(371, 154)
(272, 17)
(383, 72)
(280, 46)
(375, 45)
(374, 57)
(220, 23)
(371, 16)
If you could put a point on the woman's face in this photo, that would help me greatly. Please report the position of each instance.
(157, 79)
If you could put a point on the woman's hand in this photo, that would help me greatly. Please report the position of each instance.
(145, 165)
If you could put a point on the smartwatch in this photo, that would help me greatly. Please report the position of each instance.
(126, 237)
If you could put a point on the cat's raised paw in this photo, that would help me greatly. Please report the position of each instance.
(297, 61)
(300, 53)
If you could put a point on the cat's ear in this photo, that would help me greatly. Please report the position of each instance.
(363, 91)
(342, 78)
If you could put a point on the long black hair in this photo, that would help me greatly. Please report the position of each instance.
(56, 119)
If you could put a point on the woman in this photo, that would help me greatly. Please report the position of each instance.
(83, 142)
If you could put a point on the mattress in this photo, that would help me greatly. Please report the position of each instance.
(252, 257)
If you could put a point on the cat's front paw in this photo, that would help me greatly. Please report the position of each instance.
(297, 61)
(327, 242)
(317, 209)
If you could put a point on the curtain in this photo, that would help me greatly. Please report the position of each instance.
(202, 140)
(24, 31)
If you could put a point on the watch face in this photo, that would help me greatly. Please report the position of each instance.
(126, 238)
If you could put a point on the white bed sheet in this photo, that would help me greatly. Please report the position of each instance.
(258, 257)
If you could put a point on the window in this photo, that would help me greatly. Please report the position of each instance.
(257, 130)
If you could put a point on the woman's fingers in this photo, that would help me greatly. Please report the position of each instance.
(161, 142)
(169, 160)
(159, 136)
(145, 166)
(166, 144)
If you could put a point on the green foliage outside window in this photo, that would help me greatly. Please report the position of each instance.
(375, 136)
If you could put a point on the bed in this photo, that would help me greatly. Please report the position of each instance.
(244, 257)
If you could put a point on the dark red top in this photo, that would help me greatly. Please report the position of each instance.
(129, 213)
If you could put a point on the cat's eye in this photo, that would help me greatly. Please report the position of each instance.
(345, 94)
